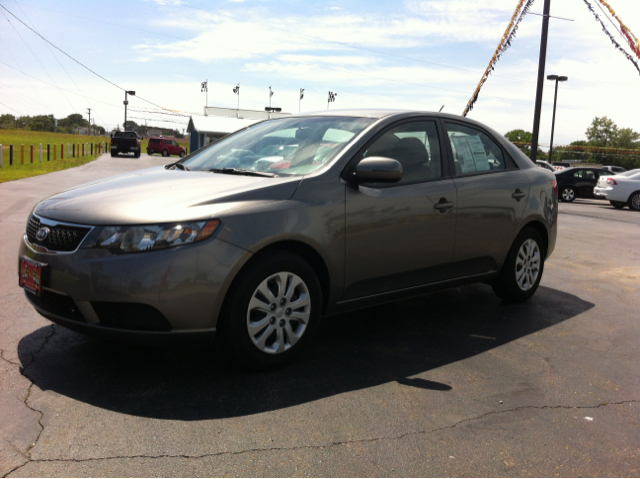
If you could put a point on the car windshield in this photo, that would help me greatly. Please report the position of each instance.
(284, 147)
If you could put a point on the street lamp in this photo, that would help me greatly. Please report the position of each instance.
(126, 102)
(555, 98)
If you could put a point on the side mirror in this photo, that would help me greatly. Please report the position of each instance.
(377, 169)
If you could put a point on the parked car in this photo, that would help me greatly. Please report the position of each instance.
(621, 190)
(614, 169)
(165, 147)
(578, 182)
(545, 165)
(362, 207)
(125, 142)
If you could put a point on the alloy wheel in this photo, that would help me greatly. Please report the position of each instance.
(635, 202)
(568, 194)
(278, 313)
(528, 265)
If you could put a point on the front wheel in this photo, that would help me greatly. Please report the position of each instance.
(182, 154)
(522, 270)
(165, 153)
(634, 201)
(568, 194)
(617, 204)
(272, 312)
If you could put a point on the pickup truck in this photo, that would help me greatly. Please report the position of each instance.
(125, 142)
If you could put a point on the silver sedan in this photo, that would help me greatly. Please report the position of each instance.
(255, 238)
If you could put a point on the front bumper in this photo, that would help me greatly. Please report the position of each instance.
(150, 294)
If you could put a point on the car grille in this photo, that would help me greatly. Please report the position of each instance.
(61, 237)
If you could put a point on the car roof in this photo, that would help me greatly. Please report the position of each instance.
(379, 113)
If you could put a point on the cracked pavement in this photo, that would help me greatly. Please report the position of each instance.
(453, 383)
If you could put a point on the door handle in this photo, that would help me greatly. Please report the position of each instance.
(518, 195)
(443, 206)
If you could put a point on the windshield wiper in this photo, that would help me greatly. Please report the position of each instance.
(236, 171)
(177, 164)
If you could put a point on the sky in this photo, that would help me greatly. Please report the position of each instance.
(408, 54)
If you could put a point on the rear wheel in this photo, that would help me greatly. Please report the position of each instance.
(272, 312)
(568, 194)
(182, 154)
(522, 270)
(114, 154)
(634, 201)
(165, 153)
(617, 204)
(149, 152)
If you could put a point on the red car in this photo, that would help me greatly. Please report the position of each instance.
(166, 147)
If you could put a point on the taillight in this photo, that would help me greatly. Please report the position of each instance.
(611, 181)
(554, 184)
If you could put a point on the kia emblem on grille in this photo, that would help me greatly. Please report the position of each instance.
(42, 233)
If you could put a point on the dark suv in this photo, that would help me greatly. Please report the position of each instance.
(578, 182)
(125, 142)
(165, 147)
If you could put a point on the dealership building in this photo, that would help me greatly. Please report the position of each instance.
(219, 122)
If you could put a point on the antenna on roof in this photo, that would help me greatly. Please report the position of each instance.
(440, 108)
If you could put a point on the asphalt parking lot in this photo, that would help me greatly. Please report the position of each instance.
(453, 383)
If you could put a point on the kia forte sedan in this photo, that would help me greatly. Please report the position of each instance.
(255, 238)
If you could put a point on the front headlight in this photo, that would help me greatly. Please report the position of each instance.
(134, 239)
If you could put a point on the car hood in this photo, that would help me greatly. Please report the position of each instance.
(157, 195)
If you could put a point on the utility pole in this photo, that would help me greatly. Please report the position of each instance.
(557, 78)
(540, 86)
(89, 110)
(126, 102)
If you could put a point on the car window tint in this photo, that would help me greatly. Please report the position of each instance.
(473, 150)
(585, 174)
(416, 146)
(154, 140)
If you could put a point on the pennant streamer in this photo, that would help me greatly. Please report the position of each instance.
(630, 37)
(613, 40)
(504, 45)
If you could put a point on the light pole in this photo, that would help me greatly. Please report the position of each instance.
(555, 98)
(126, 102)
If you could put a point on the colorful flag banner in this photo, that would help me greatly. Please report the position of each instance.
(521, 10)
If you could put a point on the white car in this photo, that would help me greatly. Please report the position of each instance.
(621, 190)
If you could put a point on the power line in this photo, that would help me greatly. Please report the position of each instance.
(38, 60)
(77, 61)
(59, 62)
(11, 108)
(47, 83)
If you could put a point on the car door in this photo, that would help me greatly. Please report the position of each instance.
(173, 147)
(400, 235)
(492, 194)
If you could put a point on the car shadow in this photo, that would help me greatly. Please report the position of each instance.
(353, 351)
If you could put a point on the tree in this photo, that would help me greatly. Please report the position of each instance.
(602, 131)
(521, 136)
(42, 123)
(7, 121)
(627, 139)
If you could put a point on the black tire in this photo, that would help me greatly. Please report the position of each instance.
(506, 285)
(136, 155)
(182, 154)
(567, 194)
(114, 154)
(165, 153)
(233, 326)
(149, 152)
(617, 204)
(634, 201)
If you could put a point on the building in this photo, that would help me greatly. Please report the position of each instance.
(219, 122)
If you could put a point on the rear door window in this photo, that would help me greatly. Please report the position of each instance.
(473, 150)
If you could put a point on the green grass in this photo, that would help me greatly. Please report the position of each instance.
(27, 138)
